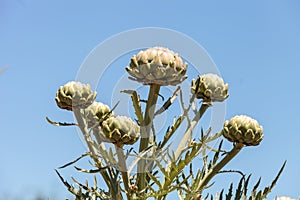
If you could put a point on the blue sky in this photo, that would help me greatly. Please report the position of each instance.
(255, 44)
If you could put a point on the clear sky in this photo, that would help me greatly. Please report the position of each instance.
(255, 44)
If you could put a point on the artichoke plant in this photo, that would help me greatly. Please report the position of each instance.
(159, 170)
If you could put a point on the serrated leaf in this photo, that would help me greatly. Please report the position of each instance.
(216, 156)
(239, 191)
(170, 131)
(136, 104)
(267, 190)
(154, 179)
(80, 184)
(246, 187)
(168, 103)
(60, 123)
(74, 161)
(91, 171)
(253, 193)
(229, 194)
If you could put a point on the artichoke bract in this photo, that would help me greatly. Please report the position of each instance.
(74, 95)
(243, 129)
(96, 113)
(210, 88)
(121, 130)
(157, 65)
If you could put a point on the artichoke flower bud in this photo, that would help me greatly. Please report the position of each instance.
(74, 95)
(210, 88)
(157, 65)
(121, 130)
(243, 129)
(96, 113)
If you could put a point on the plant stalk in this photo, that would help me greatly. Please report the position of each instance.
(190, 129)
(124, 171)
(183, 142)
(145, 133)
(83, 127)
(229, 156)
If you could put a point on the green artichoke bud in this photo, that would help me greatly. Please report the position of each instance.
(121, 130)
(243, 129)
(157, 65)
(74, 95)
(96, 113)
(210, 88)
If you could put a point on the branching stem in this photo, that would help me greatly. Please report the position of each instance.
(235, 150)
(190, 129)
(83, 127)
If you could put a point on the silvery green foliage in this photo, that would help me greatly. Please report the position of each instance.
(164, 171)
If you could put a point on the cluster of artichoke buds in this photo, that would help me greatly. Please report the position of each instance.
(156, 67)
(119, 130)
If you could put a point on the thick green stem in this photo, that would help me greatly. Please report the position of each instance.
(145, 132)
(229, 156)
(124, 171)
(82, 126)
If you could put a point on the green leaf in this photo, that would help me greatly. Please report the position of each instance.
(168, 103)
(246, 187)
(267, 190)
(135, 98)
(170, 131)
(253, 193)
(155, 180)
(239, 191)
(60, 123)
(229, 194)
(216, 156)
(91, 171)
(74, 161)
